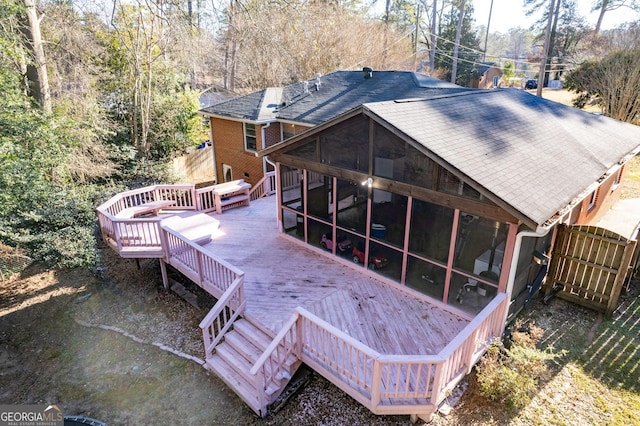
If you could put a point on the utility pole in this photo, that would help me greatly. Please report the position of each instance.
(486, 36)
(454, 66)
(547, 40)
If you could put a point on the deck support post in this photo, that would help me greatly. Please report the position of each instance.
(413, 418)
(163, 270)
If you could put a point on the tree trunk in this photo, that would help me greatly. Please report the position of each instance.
(454, 66)
(432, 60)
(603, 9)
(37, 72)
(230, 50)
(547, 48)
(552, 42)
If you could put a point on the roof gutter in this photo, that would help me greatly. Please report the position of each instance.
(230, 118)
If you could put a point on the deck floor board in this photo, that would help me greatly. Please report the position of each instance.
(281, 275)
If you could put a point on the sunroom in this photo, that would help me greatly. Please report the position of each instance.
(393, 209)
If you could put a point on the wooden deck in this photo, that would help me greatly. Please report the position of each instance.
(282, 302)
(281, 275)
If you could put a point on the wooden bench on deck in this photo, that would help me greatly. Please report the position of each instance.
(231, 194)
(148, 208)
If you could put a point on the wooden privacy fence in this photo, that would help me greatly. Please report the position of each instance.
(590, 264)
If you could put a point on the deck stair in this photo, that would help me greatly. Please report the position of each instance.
(234, 357)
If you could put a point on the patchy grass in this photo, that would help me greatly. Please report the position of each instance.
(631, 187)
(595, 382)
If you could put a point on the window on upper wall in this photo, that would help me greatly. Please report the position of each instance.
(288, 131)
(250, 141)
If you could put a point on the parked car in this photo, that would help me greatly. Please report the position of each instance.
(531, 84)
(344, 244)
(377, 259)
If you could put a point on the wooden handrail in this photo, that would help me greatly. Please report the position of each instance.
(274, 343)
(212, 338)
(337, 332)
(435, 368)
(473, 325)
(202, 250)
(265, 186)
(140, 196)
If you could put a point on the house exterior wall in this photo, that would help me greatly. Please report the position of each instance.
(272, 134)
(486, 82)
(607, 194)
(228, 144)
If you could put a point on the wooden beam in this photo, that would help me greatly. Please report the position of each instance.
(448, 200)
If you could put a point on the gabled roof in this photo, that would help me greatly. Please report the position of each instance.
(316, 101)
(531, 156)
(486, 66)
(534, 155)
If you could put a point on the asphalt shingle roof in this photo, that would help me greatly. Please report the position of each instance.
(533, 154)
(338, 92)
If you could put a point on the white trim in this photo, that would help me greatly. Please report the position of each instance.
(244, 136)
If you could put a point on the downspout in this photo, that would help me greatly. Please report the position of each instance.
(264, 146)
(538, 233)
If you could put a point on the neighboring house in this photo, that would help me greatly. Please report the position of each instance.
(457, 191)
(489, 76)
(242, 126)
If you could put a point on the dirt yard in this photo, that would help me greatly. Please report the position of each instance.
(113, 345)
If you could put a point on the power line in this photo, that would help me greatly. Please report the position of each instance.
(498, 57)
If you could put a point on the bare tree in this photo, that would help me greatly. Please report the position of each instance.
(288, 42)
(432, 62)
(605, 6)
(613, 82)
(37, 68)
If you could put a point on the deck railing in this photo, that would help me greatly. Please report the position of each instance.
(205, 199)
(221, 317)
(218, 278)
(265, 186)
(461, 354)
(182, 195)
(383, 383)
(141, 233)
(273, 364)
(213, 275)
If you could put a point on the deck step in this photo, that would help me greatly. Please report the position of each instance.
(236, 361)
(244, 347)
(234, 358)
(239, 384)
(252, 334)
